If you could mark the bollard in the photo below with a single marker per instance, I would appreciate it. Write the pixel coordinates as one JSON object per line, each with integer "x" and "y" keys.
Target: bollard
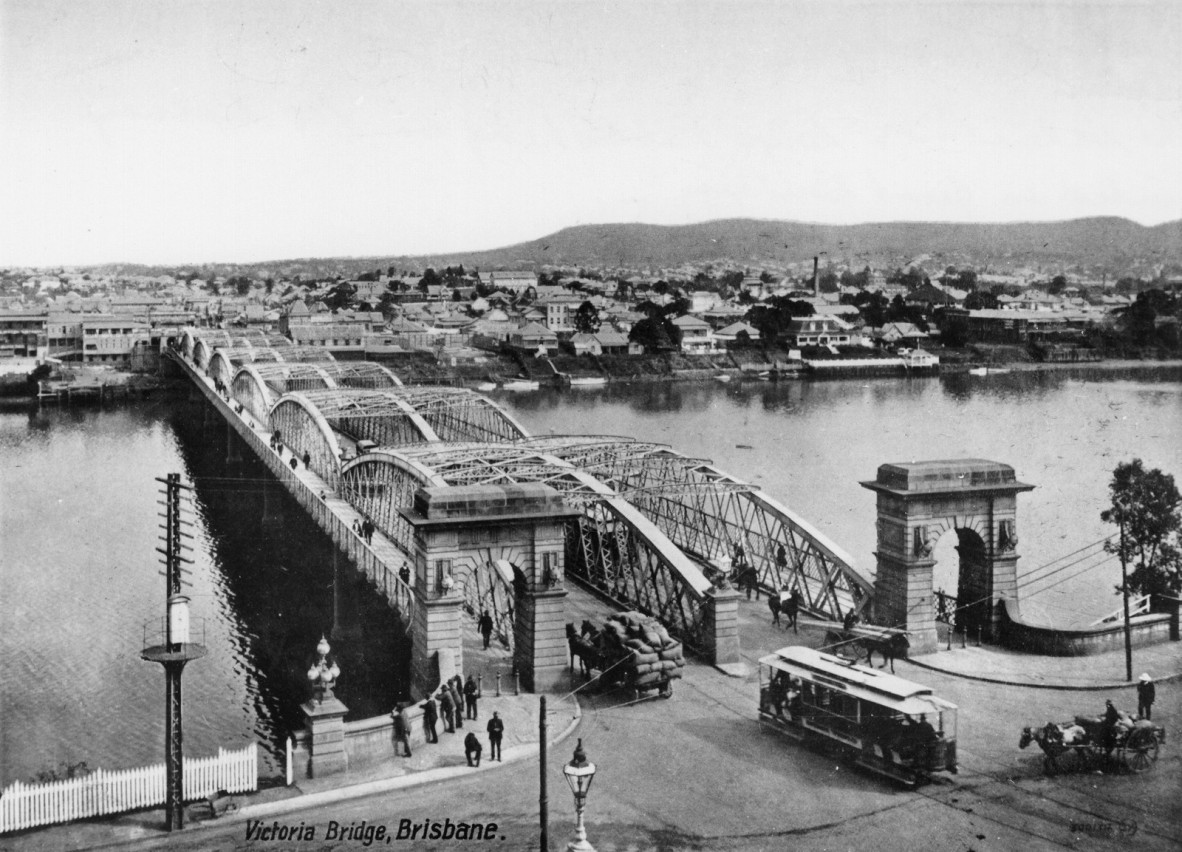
{"x": 516, "y": 683}
{"x": 480, "y": 684}
{"x": 964, "y": 638}
{"x": 949, "y": 648}
{"x": 978, "y": 635}
{"x": 498, "y": 684}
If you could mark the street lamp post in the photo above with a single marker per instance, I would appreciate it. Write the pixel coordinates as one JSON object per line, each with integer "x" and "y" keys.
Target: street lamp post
{"x": 579, "y": 774}
{"x": 323, "y": 674}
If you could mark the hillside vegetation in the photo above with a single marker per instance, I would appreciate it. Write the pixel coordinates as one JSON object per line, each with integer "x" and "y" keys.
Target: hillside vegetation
{"x": 1106, "y": 244}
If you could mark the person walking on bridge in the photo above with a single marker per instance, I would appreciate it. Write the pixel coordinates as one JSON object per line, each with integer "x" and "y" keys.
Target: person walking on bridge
{"x": 486, "y": 627}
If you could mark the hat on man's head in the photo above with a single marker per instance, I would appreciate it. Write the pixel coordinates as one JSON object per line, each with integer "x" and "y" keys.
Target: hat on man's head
{"x": 1145, "y": 678}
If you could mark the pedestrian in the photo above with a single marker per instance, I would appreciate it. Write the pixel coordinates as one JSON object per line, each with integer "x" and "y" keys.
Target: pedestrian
{"x": 486, "y": 626}
{"x": 294, "y": 463}
{"x": 369, "y": 528}
{"x": 404, "y": 573}
{"x": 356, "y": 527}
{"x": 773, "y": 603}
{"x": 793, "y": 608}
{"x": 1111, "y": 720}
{"x": 457, "y": 703}
{"x": 471, "y": 693}
{"x": 446, "y": 708}
{"x": 472, "y": 748}
{"x": 496, "y": 730}
{"x": 781, "y": 558}
{"x": 401, "y": 728}
{"x": 307, "y": 459}
{"x": 1146, "y": 693}
{"x": 430, "y": 717}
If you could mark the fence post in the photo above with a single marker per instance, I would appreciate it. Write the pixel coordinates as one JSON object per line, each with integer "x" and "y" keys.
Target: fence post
{"x": 290, "y": 745}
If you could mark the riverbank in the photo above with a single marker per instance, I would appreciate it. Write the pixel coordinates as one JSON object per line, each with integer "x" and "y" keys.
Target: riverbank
{"x": 85, "y": 382}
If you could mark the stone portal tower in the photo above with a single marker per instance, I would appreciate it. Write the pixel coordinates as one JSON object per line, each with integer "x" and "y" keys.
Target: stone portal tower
{"x": 459, "y": 530}
{"x": 917, "y": 503}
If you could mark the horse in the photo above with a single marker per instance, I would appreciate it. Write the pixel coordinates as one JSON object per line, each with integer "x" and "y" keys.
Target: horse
{"x": 891, "y": 647}
{"x": 582, "y": 647}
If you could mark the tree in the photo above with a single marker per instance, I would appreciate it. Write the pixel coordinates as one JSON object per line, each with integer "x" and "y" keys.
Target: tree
{"x": 1145, "y": 505}
{"x": 1058, "y": 285}
{"x": 587, "y": 319}
{"x": 655, "y": 334}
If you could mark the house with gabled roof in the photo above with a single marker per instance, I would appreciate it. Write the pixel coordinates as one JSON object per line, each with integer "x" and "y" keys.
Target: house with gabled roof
{"x": 731, "y": 333}
{"x": 533, "y": 337}
{"x": 696, "y": 334}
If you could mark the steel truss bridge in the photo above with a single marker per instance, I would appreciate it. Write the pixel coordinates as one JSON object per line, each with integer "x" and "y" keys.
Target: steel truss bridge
{"x": 656, "y": 525}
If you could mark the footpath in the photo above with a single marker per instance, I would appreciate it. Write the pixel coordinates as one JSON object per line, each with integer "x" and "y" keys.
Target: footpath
{"x": 1106, "y": 671}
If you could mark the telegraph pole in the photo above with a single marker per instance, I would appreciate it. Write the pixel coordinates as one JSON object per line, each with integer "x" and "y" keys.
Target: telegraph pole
{"x": 171, "y": 646}
{"x": 1124, "y": 590}
{"x": 542, "y": 802}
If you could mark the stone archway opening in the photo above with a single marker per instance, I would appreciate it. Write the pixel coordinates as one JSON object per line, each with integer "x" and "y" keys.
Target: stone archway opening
{"x": 962, "y": 576}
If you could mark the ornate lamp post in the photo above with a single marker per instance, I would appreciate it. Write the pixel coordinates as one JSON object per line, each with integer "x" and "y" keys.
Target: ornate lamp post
{"x": 579, "y": 775}
{"x": 326, "y": 716}
{"x": 323, "y": 674}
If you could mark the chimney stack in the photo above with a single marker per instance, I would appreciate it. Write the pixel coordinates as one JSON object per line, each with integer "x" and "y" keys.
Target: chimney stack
{"x": 816, "y": 277}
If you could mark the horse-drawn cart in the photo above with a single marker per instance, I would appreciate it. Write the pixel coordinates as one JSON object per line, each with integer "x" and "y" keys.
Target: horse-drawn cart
{"x": 632, "y": 650}
{"x": 858, "y": 641}
{"x": 1085, "y": 744}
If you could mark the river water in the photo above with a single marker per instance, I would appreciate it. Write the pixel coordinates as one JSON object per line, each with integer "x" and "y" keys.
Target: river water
{"x": 78, "y": 532}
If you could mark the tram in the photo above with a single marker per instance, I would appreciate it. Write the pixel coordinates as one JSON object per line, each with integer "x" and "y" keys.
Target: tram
{"x": 884, "y": 723}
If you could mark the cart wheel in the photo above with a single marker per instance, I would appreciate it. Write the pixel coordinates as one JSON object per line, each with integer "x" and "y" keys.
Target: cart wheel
{"x": 1140, "y": 753}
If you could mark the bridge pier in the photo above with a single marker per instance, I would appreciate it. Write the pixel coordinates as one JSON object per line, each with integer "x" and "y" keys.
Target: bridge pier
{"x": 721, "y": 633}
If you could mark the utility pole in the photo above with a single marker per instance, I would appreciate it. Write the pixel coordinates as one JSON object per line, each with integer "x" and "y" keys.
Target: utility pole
{"x": 171, "y": 646}
{"x": 1124, "y": 589}
{"x": 542, "y": 803}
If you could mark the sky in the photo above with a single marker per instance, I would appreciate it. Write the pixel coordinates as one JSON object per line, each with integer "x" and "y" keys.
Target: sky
{"x": 186, "y": 132}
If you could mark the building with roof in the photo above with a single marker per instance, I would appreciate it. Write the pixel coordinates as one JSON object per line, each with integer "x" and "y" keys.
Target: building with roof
{"x": 513, "y": 281}
{"x": 533, "y": 337}
{"x": 1008, "y": 325}
{"x": 110, "y": 339}
{"x": 730, "y": 334}
{"x": 697, "y": 336}
{"x": 818, "y": 331}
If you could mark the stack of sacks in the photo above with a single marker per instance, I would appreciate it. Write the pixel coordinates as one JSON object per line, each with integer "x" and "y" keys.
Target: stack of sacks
{"x": 652, "y": 654}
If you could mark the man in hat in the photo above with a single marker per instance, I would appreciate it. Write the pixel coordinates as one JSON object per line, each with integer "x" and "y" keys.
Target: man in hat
{"x": 496, "y": 730}
{"x": 1145, "y": 695}
{"x": 401, "y": 729}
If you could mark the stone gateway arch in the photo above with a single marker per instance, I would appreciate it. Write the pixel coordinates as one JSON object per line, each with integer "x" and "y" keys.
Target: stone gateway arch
{"x": 918, "y": 502}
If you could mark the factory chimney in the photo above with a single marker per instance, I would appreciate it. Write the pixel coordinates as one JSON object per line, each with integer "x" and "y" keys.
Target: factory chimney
{"x": 816, "y": 277}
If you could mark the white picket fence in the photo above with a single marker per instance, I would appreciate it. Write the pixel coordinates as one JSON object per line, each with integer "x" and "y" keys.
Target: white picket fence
{"x": 111, "y": 792}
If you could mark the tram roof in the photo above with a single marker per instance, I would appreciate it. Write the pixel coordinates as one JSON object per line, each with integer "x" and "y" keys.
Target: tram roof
{"x": 899, "y": 694}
